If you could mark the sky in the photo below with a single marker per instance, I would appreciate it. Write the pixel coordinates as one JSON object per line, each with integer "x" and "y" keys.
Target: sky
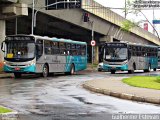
{"x": 131, "y": 16}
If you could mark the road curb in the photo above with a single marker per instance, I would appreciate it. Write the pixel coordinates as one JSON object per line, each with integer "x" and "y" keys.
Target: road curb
{"x": 6, "y": 75}
{"x": 9, "y": 116}
{"x": 121, "y": 95}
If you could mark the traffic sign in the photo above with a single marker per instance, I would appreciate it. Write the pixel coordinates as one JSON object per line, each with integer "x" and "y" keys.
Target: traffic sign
{"x": 156, "y": 21}
{"x": 93, "y": 42}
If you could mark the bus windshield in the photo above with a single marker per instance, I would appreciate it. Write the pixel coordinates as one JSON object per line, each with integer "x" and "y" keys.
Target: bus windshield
{"x": 20, "y": 49}
{"x": 113, "y": 53}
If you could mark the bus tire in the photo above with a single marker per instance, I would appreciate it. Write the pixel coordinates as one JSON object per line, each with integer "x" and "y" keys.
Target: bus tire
{"x": 17, "y": 75}
{"x": 134, "y": 66}
{"x": 155, "y": 69}
{"x": 145, "y": 70}
{"x": 45, "y": 71}
{"x": 130, "y": 71}
{"x": 149, "y": 68}
{"x": 99, "y": 70}
{"x": 113, "y": 71}
{"x": 72, "y": 71}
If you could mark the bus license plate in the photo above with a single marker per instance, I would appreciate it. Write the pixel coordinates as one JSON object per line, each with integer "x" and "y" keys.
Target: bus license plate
{"x": 17, "y": 68}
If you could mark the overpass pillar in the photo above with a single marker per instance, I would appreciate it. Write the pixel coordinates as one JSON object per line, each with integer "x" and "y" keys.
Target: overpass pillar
{"x": 96, "y": 48}
{"x": 2, "y": 38}
{"x": 96, "y": 54}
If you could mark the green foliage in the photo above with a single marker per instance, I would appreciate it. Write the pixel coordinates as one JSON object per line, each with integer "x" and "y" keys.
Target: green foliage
{"x": 143, "y": 82}
{"x": 130, "y": 9}
{"x": 4, "y": 110}
{"x": 127, "y": 25}
{"x": 18, "y": 1}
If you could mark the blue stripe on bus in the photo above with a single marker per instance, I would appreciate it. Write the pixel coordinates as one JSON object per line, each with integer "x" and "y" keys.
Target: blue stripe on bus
{"x": 153, "y": 61}
{"x": 79, "y": 62}
{"x": 31, "y": 69}
{"x": 121, "y": 67}
{"x": 68, "y": 63}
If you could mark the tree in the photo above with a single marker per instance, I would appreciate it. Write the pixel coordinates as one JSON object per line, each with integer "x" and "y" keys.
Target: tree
{"x": 127, "y": 25}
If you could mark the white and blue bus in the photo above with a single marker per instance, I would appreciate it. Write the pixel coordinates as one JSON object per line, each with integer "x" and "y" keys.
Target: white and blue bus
{"x": 44, "y": 55}
{"x": 129, "y": 57}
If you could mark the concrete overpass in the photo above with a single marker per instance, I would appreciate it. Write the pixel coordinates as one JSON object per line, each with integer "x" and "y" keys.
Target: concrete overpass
{"x": 68, "y": 23}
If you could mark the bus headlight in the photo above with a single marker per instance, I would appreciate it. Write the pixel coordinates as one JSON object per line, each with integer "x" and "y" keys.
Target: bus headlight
{"x": 32, "y": 63}
{"x": 4, "y": 62}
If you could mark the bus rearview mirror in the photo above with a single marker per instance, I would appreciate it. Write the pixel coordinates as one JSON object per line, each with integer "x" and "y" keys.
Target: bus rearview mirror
{"x": 3, "y": 46}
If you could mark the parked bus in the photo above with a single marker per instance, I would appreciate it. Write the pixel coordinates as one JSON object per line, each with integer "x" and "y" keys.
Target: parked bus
{"x": 36, "y": 54}
{"x": 129, "y": 57}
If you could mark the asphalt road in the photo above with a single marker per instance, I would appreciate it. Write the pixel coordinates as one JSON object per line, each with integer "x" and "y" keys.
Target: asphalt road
{"x": 62, "y": 97}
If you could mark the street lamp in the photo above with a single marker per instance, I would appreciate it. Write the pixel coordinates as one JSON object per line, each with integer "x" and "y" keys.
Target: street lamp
{"x": 92, "y": 24}
{"x": 33, "y": 5}
{"x": 35, "y": 14}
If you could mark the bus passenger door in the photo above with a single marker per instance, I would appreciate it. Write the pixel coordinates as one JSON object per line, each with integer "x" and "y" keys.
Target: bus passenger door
{"x": 39, "y": 55}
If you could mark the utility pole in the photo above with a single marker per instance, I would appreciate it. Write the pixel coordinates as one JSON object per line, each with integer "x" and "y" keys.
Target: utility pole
{"x": 153, "y": 23}
{"x": 34, "y": 14}
{"x": 92, "y": 24}
{"x": 16, "y": 25}
{"x": 125, "y": 11}
{"x": 33, "y": 7}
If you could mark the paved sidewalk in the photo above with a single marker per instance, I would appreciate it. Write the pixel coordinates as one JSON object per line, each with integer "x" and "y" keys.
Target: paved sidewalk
{"x": 115, "y": 87}
{"x": 6, "y": 75}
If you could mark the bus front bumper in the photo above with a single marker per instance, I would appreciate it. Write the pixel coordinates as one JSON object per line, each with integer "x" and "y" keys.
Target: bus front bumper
{"x": 28, "y": 69}
{"x": 108, "y": 67}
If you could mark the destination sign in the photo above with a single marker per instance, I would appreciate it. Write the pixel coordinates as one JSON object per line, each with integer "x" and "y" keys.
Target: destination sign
{"x": 116, "y": 44}
{"x": 19, "y": 38}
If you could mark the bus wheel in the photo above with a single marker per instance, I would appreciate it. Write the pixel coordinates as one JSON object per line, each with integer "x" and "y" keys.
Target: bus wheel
{"x": 72, "y": 70}
{"x": 154, "y": 69}
{"x": 134, "y": 66}
{"x": 130, "y": 71}
{"x": 113, "y": 71}
{"x": 149, "y": 68}
{"x": 17, "y": 75}
{"x": 45, "y": 71}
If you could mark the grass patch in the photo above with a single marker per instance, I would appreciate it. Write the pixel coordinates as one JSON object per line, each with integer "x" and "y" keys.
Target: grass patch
{"x": 4, "y": 110}
{"x": 150, "y": 82}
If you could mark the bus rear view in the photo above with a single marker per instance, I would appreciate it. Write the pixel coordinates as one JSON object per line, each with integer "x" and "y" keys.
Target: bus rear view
{"x": 115, "y": 57}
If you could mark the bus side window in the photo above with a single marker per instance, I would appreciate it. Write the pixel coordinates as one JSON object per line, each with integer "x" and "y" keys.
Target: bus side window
{"x": 68, "y": 47}
{"x": 73, "y": 49}
{"x": 55, "y": 48}
{"x": 62, "y": 47}
{"x": 83, "y": 50}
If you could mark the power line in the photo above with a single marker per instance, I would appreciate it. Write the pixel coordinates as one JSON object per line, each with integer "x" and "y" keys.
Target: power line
{"x": 97, "y": 7}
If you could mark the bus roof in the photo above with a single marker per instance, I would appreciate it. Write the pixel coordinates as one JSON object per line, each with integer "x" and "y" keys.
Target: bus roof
{"x": 52, "y": 39}
{"x": 135, "y": 44}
